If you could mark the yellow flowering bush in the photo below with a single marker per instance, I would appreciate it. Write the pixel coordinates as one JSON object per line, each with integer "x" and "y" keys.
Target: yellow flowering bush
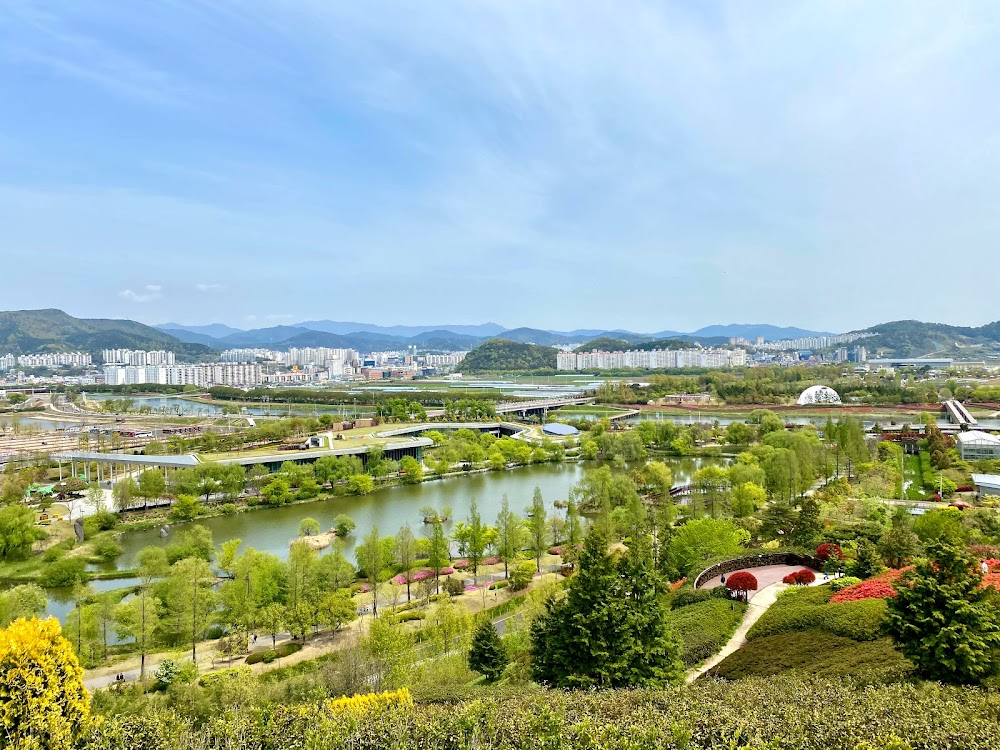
{"x": 369, "y": 701}
{"x": 43, "y": 703}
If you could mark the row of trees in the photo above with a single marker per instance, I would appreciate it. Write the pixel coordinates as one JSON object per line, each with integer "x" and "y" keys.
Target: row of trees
{"x": 177, "y": 601}
{"x": 782, "y": 385}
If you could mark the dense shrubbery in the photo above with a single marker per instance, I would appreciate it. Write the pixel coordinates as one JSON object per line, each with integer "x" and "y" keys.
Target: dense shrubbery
{"x": 782, "y": 712}
{"x": 816, "y": 652}
{"x": 842, "y": 583}
{"x": 808, "y": 608}
{"x": 705, "y": 626}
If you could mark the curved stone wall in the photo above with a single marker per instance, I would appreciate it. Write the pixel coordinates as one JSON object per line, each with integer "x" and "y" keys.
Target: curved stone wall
{"x": 757, "y": 561}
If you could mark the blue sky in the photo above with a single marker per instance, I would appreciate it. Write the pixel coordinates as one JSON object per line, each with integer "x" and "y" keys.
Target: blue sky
{"x": 564, "y": 164}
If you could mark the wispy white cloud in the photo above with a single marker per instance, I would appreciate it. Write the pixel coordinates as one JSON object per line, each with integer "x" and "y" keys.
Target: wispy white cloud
{"x": 209, "y": 287}
{"x": 716, "y": 150}
{"x": 148, "y": 293}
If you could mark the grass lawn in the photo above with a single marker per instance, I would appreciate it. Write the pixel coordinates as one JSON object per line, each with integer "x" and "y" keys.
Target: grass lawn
{"x": 912, "y": 474}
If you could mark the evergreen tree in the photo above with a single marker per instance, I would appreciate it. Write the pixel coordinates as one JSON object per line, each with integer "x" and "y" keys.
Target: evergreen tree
{"x": 610, "y": 629}
{"x": 868, "y": 561}
{"x": 808, "y": 524}
{"x": 898, "y": 545}
{"x": 487, "y": 654}
{"x": 943, "y": 620}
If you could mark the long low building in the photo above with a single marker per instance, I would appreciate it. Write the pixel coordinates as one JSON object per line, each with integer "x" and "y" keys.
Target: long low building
{"x": 986, "y": 484}
{"x": 110, "y": 466}
{"x": 392, "y": 451}
{"x": 934, "y": 364}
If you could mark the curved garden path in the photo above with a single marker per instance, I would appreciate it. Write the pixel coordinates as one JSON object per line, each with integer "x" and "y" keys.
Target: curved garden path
{"x": 757, "y": 606}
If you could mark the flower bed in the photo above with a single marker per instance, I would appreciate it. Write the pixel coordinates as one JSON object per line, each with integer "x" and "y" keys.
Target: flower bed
{"x": 879, "y": 587}
{"x": 492, "y": 560}
{"x": 447, "y": 571}
{"x": 460, "y": 564}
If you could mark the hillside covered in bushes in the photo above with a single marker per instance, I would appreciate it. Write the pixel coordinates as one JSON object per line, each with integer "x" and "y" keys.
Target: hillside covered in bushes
{"x": 783, "y": 713}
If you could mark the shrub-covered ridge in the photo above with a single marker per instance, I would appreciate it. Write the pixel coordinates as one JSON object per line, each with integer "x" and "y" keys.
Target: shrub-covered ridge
{"x": 778, "y": 714}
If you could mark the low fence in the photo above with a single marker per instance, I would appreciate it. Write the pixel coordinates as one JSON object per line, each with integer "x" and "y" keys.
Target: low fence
{"x": 757, "y": 561}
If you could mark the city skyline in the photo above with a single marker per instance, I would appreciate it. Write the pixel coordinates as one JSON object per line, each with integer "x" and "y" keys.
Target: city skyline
{"x": 261, "y": 164}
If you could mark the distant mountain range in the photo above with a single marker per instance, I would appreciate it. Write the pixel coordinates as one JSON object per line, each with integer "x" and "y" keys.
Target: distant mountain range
{"x": 371, "y": 337}
{"x": 29, "y": 331}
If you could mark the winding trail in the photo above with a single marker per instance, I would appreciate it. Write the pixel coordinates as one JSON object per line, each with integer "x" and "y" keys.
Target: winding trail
{"x": 760, "y": 603}
{"x": 757, "y": 606}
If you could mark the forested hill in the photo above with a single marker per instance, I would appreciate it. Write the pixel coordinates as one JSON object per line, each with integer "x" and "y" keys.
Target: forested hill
{"x": 500, "y": 355}
{"x": 912, "y": 338}
{"x": 32, "y": 331}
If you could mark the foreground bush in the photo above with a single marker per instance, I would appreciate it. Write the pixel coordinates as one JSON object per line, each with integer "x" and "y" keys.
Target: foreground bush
{"x": 43, "y": 703}
{"x": 784, "y": 713}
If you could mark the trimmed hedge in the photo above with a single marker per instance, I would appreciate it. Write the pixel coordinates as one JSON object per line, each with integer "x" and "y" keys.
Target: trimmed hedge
{"x": 815, "y": 652}
{"x": 808, "y": 608}
{"x": 704, "y": 627}
{"x": 285, "y": 649}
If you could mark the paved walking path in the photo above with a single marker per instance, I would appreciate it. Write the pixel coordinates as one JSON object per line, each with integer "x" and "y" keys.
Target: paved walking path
{"x": 760, "y": 603}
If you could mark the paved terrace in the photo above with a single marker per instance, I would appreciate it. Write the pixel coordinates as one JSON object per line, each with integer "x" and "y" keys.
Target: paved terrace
{"x": 765, "y": 575}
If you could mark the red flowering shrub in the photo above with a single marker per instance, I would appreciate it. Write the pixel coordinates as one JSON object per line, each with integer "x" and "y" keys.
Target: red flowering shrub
{"x": 879, "y": 587}
{"x": 799, "y": 577}
{"x": 827, "y": 550}
{"x": 677, "y": 584}
{"x": 741, "y": 583}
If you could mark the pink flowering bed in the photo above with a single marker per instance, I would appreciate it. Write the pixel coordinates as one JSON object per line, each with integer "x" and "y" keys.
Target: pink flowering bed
{"x": 417, "y": 575}
{"x": 447, "y": 571}
{"x": 460, "y": 564}
{"x": 491, "y": 560}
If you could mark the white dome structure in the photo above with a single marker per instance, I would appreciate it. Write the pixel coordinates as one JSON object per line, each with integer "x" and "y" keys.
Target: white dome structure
{"x": 818, "y": 394}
